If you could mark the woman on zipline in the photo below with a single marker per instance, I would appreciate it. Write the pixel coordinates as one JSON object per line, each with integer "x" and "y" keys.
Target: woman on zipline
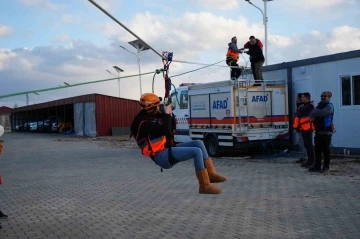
{"x": 154, "y": 134}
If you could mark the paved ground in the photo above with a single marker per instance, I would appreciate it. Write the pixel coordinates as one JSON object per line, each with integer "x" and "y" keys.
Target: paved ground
{"x": 84, "y": 188}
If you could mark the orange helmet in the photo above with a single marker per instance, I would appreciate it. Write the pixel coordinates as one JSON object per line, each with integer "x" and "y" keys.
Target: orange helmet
{"x": 149, "y": 100}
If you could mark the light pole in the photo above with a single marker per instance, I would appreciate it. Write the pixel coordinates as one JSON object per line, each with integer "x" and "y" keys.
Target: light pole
{"x": 35, "y": 97}
{"x": 67, "y": 90}
{"x": 265, "y": 20}
{"x": 140, "y": 46}
{"x": 118, "y": 69}
{"x": 118, "y": 80}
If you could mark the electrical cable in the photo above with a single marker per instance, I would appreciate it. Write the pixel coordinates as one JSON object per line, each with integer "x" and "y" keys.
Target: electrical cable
{"x": 157, "y": 71}
{"x": 196, "y": 69}
{"x": 68, "y": 86}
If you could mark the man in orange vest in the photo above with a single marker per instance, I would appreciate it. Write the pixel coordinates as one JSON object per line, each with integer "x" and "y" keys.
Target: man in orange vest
{"x": 303, "y": 153}
{"x": 232, "y": 56}
{"x": 154, "y": 130}
{"x": 306, "y": 128}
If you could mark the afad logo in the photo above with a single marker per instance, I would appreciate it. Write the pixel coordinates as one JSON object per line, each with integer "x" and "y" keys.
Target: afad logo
{"x": 220, "y": 104}
{"x": 260, "y": 98}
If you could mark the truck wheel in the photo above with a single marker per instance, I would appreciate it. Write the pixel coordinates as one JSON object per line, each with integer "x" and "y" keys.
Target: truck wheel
{"x": 212, "y": 145}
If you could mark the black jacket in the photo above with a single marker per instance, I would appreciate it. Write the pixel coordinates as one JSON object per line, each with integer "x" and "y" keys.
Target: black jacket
{"x": 306, "y": 110}
{"x": 155, "y": 125}
{"x": 255, "y": 51}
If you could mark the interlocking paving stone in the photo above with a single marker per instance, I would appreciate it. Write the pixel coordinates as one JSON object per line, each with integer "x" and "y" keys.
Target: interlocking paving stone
{"x": 76, "y": 188}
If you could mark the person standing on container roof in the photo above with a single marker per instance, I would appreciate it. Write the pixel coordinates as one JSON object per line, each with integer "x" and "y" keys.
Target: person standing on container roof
{"x": 154, "y": 133}
{"x": 322, "y": 117}
{"x": 306, "y": 128}
{"x": 232, "y": 56}
{"x": 303, "y": 153}
{"x": 257, "y": 58}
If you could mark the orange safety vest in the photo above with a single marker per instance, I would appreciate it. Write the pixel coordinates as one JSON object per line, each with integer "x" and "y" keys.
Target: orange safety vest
{"x": 296, "y": 118}
{"x": 296, "y": 122}
{"x": 232, "y": 54}
{"x": 150, "y": 145}
{"x": 304, "y": 123}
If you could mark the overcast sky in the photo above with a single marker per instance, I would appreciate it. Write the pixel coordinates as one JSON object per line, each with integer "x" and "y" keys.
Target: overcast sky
{"x": 44, "y": 43}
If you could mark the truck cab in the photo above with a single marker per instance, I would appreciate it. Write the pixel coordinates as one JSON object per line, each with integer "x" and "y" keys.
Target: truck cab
{"x": 180, "y": 107}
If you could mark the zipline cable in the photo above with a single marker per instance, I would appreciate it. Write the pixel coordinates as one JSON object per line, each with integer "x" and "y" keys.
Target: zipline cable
{"x": 127, "y": 29}
{"x": 196, "y": 69}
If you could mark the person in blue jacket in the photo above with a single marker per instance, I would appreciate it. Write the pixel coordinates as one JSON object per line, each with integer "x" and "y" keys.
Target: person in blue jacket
{"x": 322, "y": 117}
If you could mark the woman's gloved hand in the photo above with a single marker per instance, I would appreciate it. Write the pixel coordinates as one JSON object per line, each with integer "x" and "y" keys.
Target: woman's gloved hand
{"x": 168, "y": 109}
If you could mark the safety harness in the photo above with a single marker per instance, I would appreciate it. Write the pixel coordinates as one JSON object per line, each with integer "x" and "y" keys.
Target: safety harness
{"x": 166, "y": 60}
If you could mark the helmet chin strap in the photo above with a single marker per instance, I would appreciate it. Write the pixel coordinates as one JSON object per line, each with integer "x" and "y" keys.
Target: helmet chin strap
{"x": 152, "y": 110}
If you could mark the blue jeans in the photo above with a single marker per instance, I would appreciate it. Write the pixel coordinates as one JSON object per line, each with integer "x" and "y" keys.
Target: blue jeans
{"x": 182, "y": 152}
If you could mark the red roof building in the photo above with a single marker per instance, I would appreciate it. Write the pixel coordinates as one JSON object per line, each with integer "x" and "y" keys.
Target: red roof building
{"x": 5, "y": 110}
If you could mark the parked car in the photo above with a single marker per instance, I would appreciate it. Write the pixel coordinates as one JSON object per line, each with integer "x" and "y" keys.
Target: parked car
{"x": 26, "y": 126}
{"x": 44, "y": 127}
{"x": 34, "y": 126}
{"x": 56, "y": 125}
{"x": 19, "y": 127}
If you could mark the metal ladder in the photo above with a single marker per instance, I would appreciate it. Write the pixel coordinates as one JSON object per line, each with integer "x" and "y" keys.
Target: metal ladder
{"x": 243, "y": 109}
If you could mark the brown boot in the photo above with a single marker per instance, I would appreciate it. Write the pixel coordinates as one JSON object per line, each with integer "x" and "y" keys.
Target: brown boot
{"x": 205, "y": 186}
{"x": 214, "y": 177}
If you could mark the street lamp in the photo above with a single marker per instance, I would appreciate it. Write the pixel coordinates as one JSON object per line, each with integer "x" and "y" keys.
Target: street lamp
{"x": 118, "y": 69}
{"x": 35, "y": 97}
{"x": 140, "y": 46}
{"x": 67, "y": 90}
{"x": 265, "y": 20}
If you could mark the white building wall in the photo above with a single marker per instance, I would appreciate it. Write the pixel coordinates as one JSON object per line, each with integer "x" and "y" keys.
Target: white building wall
{"x": 326, "y": 77}
{"x": 275, "y": 75}
{"x": 5, "y": 121}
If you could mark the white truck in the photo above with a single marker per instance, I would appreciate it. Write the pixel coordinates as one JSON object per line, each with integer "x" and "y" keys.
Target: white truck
{"x": 231, "y": 114}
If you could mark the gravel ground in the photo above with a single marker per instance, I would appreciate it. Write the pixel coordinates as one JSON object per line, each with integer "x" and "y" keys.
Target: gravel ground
{"x": 71, "y": 187}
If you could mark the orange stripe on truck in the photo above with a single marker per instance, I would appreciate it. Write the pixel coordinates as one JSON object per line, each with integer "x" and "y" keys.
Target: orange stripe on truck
{"x": 230, "y": 120}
